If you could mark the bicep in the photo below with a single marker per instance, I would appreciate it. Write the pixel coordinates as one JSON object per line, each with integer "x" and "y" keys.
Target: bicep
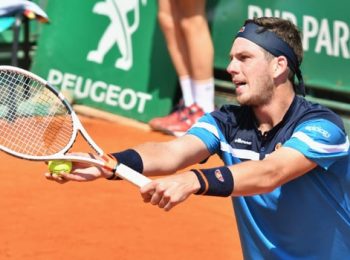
{"x": 289, "y": 164}
{"x": 256, "y": 177}
{"x": 314, "y": 142}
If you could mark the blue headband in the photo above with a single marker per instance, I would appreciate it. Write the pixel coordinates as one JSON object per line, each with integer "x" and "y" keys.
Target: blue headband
{"x": 275, "y": 45}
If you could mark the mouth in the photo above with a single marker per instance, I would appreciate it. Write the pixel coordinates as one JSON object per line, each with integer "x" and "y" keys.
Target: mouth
{"x": 240, "y": 85}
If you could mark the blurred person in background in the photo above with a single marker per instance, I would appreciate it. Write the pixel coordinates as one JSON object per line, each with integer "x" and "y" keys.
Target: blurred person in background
{"x": 190, "y": 46}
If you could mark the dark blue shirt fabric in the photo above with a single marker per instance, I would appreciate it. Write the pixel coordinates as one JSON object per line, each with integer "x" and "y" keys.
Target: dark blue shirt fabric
{"x": 306, "y": 218}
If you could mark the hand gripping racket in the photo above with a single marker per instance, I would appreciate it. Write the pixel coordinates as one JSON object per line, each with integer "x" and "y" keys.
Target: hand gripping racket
{"x": 37, "y": 123}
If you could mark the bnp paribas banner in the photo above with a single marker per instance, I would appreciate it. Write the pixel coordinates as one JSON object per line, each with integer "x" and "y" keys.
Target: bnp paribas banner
{"x": 325, "y": 26}
{"x": 110, "y": 54}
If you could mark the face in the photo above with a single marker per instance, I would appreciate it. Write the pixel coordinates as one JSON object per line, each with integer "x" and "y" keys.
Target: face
{"x": 252, "y": 73}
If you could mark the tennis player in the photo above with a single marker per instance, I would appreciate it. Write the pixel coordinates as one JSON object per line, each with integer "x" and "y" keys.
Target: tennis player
{"x": 286, "y": 160}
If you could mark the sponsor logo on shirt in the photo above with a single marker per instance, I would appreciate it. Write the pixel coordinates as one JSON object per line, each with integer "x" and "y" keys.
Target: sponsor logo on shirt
{"x": 278, "y": 146}
{"x": 318, "y": 129}
{"x": 241, "y": 141}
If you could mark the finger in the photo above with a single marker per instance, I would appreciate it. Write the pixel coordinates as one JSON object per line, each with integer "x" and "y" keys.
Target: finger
{"x": 148, "y": 196}
{"x": 169, "y": 205}
{"x": 63, "y": 177}
{"x": 174, "y": 198}
{"x": 48, "y": 176}
{"x": 164, "y": 201}
{"x": 147, "y": 191}
{"x": 55, "y": 177}
{"x": 157, "y": 195}
{"x": 80, "y": 177}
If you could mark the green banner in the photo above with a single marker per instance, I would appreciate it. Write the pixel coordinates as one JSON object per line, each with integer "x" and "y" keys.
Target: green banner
{"x": 325, "y": 29}
{"x": 110, "y": 54}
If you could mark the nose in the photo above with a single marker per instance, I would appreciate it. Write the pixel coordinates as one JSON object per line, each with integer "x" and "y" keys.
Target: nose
{"x": 232, "y": 67}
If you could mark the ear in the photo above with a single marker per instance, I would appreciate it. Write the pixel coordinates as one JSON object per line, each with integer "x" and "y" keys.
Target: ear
{"x": 280, "y": 66}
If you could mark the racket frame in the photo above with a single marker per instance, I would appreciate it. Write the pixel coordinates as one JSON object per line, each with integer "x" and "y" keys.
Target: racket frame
{"x": 122, "y": 170}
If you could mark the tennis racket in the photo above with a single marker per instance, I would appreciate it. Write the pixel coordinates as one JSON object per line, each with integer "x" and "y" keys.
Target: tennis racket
{"x": 38, "y": 123}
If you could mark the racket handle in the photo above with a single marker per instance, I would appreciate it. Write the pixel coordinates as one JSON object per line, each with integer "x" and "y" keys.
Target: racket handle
{"x": 131, "y": 175}
{"x": 108, "y": 162}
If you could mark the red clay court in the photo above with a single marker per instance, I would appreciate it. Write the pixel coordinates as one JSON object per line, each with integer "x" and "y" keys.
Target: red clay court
{"x": 106, "y": 219}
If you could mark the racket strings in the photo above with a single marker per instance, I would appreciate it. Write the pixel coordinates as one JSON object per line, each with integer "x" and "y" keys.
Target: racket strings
{"x": 33, "y": 120}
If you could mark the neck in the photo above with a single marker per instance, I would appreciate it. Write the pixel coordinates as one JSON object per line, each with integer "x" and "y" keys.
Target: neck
{"x": 269, "y": 115}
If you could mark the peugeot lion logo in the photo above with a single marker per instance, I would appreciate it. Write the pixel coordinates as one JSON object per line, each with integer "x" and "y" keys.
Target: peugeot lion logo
{"x": 118, "y": 32}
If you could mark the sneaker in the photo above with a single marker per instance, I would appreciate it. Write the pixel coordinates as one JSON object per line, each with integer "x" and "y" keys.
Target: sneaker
{"x": 161, "y": 123}
{"x": 188, "y": 117}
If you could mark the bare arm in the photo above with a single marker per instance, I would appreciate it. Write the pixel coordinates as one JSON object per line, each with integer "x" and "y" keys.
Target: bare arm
{"x": 157, "y": 158}
{"x": 250, "y": 178}
{"x": 168, "y": 157}
{"x": 256, "y": 177}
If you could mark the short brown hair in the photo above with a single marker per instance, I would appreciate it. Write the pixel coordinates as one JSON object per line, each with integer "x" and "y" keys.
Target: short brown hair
{"x": 286, "y": 30}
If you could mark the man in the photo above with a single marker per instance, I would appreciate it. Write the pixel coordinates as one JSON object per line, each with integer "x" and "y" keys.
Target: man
{"x": 286, "y": 160}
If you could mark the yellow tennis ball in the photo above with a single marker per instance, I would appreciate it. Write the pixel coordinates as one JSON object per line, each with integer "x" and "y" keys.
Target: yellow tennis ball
{"x": 58, "y": 166}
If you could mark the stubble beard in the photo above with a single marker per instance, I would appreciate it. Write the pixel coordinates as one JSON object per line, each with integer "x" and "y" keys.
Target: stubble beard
{"x": 261, "y": 96}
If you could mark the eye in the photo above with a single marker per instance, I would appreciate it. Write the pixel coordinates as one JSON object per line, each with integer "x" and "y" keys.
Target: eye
{"x": 243, "y": 57}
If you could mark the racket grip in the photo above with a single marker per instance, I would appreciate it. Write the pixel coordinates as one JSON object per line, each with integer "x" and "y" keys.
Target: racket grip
{"x": 131, "y": 175}
{"x": 124, "y": 171}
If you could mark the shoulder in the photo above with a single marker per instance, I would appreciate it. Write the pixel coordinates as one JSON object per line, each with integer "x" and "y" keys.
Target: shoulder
{"x": 319, "y": 124}
{"x": 309, "y": 111}
{"x": 319, "y": 134}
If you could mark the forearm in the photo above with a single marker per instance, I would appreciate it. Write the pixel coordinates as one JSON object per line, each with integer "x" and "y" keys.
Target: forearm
{"x": 254, "y": 177}
{"x": 257, "y": 177}
{"x": 157, "y": 159}
{"x": 168, "y": 157}
{"x": 245, "y": 179}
